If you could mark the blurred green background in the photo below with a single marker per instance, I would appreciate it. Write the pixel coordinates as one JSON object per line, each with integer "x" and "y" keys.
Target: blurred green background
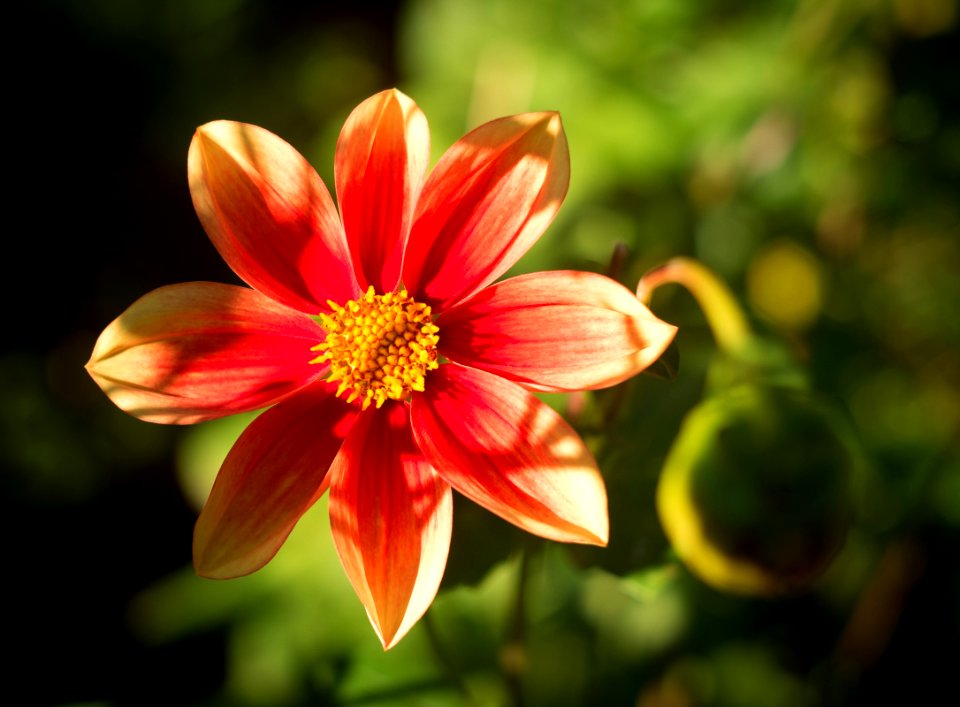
{"x": 806, "y": 151}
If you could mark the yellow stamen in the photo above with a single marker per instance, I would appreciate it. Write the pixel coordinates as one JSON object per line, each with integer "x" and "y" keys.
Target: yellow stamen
{"x": 378, "y": 346}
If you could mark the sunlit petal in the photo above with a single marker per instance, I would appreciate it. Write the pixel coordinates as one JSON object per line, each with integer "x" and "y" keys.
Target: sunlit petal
{"x": 502, "y": 447}
{"x": 490, "y": 197}
{"x": 381, "y": 162}
{"x": 391, "y": 516}
{"x": 272, "y": 475}
{"x": 555, "y": 331}
{"x": 269, "y": 215}
{"x": 196, "y": 351}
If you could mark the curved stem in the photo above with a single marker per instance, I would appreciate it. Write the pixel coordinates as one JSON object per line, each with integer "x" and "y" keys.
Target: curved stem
{"x": 723, "y": 313}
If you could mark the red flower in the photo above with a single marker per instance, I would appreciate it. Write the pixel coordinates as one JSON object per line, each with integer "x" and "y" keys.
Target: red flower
{"x": 400, "y": 391}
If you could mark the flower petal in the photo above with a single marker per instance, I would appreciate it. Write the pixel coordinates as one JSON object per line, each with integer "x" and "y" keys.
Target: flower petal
{"x": 557, "y": 331}
{"x": 392, "y": 517}
{"x": 197, "y": 351}
{"x": 269, "y": 215}
{"x": 502, "y": 447}
{"x": 381, "y": 162}
{"x": 489, "y": 198}
{"x": 273, "y": 474}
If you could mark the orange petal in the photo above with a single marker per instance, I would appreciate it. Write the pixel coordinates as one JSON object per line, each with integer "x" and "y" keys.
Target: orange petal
{"x": 500, "y": 446}
{"x": 269, "y": 215}
{"x": 556, "y": 331}
{"x": 197, "y": 351}
{"x": 381, "y": 162}
{"x": 272, "y": 475}
{"x": 391, "y": 516}
{"x": 490, "y": 197}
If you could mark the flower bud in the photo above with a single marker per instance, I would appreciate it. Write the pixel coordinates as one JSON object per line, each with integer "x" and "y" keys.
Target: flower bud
{"x": 755, "y": 493}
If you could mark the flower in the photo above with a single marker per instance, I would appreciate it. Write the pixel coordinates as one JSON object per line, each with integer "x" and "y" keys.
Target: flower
{"x": 416, "y": 379}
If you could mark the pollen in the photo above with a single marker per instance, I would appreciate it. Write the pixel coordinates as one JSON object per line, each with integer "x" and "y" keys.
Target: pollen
{"x": 379, "y": 347}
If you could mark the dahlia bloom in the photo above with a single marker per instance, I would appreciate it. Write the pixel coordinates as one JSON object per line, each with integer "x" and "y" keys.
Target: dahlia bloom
{"x": 395, "y": 369}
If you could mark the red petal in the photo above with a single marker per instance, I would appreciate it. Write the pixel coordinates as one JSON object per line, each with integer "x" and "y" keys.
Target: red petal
{"x": 272, "y": 475}
{"x": 270, "y": 216}
{"x": 489, "y": 198}
{"x": 382, "y": 158}
{"x": 555, "y": 331}
{"x": 196, "y": 351}
{"x": 500, "y": 446}
{"x": 391, "y": 516}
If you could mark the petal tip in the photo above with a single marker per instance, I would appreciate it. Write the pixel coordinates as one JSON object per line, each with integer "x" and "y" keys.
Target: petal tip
{"x": 209, "y": 571}
{"x": 598, "y": 535}
{"x": 204, "y": 133}
{"x": 211, "y": 127}
{"x": 549, "y": 121}
{"x": 554, "y": 122}
{"x": 396, "y": 94}
{"x": 391, "y": 642}
{"x": 389, "y": 639}
{"x": 213, "y": 565}
{"x": 203, "y": 564}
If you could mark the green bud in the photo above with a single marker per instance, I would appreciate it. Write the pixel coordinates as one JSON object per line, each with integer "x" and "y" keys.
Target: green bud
{"x": 755, "y": 493}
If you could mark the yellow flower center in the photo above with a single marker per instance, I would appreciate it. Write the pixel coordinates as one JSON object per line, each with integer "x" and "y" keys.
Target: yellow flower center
{"x": 378, "y": 346}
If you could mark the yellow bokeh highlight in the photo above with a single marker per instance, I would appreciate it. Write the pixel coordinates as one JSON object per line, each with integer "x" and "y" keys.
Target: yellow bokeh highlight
{"x": 784, "y": 284}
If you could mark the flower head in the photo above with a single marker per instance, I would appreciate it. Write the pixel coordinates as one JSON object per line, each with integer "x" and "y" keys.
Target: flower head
{"x": 416, "y": 379}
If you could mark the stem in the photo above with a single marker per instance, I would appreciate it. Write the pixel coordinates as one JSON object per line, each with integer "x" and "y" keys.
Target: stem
{"x": 446, "y": 660}
{"x": 719, "y": 306}
{"x": 618, "y": 261}
{"x": 513, "y": 658}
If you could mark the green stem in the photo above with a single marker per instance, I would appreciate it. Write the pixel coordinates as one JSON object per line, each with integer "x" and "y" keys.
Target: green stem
{"x": 723, "y": 313}
{"x": 513, "y": 657}
{"x": 446, "y": 660}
